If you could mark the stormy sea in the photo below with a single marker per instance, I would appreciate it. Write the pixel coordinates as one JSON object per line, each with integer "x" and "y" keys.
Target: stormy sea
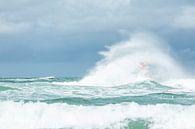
{"x": 138, "y": 84}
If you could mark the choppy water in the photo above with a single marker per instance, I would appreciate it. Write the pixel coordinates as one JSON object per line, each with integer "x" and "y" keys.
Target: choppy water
{"x": 45, "y": 103}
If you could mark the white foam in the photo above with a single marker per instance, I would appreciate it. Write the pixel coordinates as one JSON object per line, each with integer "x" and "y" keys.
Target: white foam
{"x": 141, "y": 57}
{"x": 185, "y": 84}
{"x": 40, "y": 115}
{"x": 46, "y": 78}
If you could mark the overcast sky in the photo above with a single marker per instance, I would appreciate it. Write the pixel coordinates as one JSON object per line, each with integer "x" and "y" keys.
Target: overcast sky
{"x": 63, "y": 37}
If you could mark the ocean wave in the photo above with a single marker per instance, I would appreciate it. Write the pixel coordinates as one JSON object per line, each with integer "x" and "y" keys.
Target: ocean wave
{"x": 187, "y": 83}
{"x": 127, "y": 115}
{"x": 38, "y": 79}
{"x": 3, "y": 88}
{"x": 141, "y": 92}
{"x": 143, "y": 56}
{"x": 152, "y": 99}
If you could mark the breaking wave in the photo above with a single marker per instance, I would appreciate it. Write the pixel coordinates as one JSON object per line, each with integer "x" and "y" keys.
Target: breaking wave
{"x": 142, "y": 57}
{"x": 61, "y": 116}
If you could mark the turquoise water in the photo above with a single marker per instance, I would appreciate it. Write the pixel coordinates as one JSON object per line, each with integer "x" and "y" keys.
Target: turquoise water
{"x": 50, "y": 103}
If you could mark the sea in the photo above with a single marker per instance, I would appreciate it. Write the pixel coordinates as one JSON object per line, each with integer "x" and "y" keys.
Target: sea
{"x": 45, "y": 103}
{"x": 138, "y": 84}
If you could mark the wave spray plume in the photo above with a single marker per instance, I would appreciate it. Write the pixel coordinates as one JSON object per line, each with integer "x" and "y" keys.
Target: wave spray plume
{"x": 143, "y": 56}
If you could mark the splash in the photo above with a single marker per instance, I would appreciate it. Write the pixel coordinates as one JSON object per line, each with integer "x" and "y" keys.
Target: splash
{"x": 143, "y": 56}
{"x": 57, "y": 116}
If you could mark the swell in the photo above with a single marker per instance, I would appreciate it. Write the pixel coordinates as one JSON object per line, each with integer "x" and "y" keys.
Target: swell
{"x": 38, "y": 79}
{"x": 151, "y": 99}
{"x": 147, "y": 92}
{"x": 3, "y": 88}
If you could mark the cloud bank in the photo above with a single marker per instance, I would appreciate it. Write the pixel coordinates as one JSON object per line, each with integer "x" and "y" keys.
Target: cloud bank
{"x": 35, "y": 34}
{"x": 186, "y": 19}
{"x": 97, "y": 15}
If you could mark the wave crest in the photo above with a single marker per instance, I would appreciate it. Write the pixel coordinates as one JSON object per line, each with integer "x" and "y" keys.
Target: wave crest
{"x": 141, "y": 57}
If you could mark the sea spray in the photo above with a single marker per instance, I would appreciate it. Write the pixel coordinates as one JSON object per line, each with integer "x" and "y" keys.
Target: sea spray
{"x": 143, "y": 56}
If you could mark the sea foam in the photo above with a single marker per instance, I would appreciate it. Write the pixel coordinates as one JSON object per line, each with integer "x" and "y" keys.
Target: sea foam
{"x": 54, "y": 116}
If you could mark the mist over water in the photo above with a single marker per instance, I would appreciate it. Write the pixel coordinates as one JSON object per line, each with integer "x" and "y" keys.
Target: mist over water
{"x": 143, "y": 56}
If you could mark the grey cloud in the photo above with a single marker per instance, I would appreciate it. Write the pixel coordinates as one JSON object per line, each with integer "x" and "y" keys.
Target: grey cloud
{"x": 73, "y": 31}
{"x": 63, "y": 15}
{"x": 186, "y": 18}
{"x": 86, "y": 15}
